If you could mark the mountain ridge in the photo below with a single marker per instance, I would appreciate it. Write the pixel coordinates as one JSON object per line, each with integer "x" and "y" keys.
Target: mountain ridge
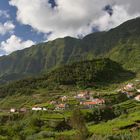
{"x": 45, "y": 56}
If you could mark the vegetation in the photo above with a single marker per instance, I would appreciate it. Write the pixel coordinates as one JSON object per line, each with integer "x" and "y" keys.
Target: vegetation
{"x": 54, "y": 75}
{"x": 78, "y": 123}
{"x": 82, "y": 74}
{"x": 120, "y": 44}
{"x": 88, "y": 73}
{"x": 113, "y": 120}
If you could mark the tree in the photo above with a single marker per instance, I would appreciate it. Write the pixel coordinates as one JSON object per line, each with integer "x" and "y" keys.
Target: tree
{"x": 78, "y": 123}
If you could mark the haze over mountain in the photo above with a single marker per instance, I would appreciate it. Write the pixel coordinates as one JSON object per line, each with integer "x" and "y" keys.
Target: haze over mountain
{"x": 121, "y": 44}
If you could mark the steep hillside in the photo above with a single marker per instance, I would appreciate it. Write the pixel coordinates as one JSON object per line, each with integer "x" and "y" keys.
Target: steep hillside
{"x": 82, "y": 74}
{"x": 120, "y": 44}
{"x": 127, "y": 54}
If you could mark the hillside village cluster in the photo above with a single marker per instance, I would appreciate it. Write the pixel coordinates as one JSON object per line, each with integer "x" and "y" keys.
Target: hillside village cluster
{"x": 85, "y": 100}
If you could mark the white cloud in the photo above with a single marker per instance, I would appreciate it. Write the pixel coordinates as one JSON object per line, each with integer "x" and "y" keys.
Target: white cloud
{"x": 106, "y": 22}
{"x": 6, "y": 27}
{"x": 131, "y": 6}
{"x": 14, "y": 43}
{"x": 73, "y": 17}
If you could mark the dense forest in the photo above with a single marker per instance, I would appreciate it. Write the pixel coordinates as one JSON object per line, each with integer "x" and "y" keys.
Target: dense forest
{"x": 88, "y": 72}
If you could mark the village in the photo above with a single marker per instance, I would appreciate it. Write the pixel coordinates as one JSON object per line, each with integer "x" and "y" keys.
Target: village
{"x": 130, "y": 91}
{"x": 84, "y": 100}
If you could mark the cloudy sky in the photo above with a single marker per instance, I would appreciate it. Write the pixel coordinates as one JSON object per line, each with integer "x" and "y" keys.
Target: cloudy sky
{"x": 27, "y": 22}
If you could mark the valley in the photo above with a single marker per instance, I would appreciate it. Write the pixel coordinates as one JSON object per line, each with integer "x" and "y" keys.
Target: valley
{"x": 74, "y": 89}
{"x": 43, "y": 107}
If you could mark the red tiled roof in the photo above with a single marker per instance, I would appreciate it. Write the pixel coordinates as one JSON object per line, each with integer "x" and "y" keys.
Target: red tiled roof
{"x": 90, "y": 103}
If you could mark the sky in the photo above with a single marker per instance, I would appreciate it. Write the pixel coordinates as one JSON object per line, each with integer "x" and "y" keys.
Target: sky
{"x": 24, "y": 23}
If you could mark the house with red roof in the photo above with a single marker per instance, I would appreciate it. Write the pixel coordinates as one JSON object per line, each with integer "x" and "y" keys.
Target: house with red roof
{"x": 93, "y": 103}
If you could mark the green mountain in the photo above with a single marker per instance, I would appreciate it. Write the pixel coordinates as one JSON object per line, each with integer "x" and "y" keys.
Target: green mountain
{"x": 121, "y": 44}
{"x": 87, "y": 73}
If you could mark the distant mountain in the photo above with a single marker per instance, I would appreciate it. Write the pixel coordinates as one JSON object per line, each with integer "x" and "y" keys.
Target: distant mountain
{"x": 121, "y": 44}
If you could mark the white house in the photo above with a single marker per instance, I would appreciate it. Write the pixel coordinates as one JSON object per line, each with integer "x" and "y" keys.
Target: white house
{"x": 12, "y": 110}
{"x": 137, "y": 98}
{"x": 44, "y": 109}
{"x": 80, "y": 95}
{"x": 36, "y": 108}
{"x": 138, "y": 90}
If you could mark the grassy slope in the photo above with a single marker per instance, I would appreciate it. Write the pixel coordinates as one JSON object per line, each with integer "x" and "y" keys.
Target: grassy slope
{"x": 128, "y": 54}
{"x": 110, "y": 127}
{"x": 114, "y": 126}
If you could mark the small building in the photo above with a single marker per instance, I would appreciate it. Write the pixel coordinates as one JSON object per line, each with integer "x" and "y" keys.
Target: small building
{"x": 53, "y": 102}
{"x": 89, "y": 104}
{"x": 137, "y": 98}
{"x": 99, "y": 101}
{"x": 36, "y": 108}
{"x": 83, "y": 95}
{"x": 129, "y": 87}
{"x": 12, "y": 110}
{"x": 138, "y": 90}
{"x": 61, "y": 107}
{"x": 44, "y": 109}
{"x": 93, "y": 103}
{"x": 64, "y": 98}
{"x": 80, "y": 96}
